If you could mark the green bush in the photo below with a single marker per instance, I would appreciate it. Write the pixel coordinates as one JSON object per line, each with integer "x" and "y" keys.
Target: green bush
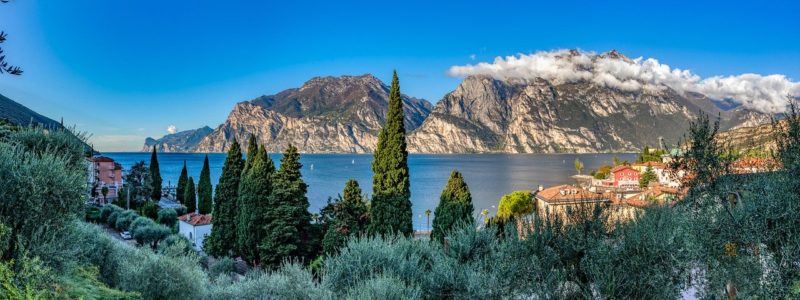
{"x": 168, "y": 217}
{"x": 151, "y": 234}
{"x": 150, "y": 210}
{"x": 107, "y": 210}
{"x": 290, "y": 281}
{"x": 125, "y": 219}
{"x": 176, "y": 242}
{"x": 223, "y": 266}
{"x": 384, "y": 288}
{"x": 139, "y": 223}
{"x": 516, "y": 204}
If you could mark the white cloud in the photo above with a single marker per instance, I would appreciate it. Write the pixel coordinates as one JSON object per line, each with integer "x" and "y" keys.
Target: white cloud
{"x": 473, "y": 56}
{"x": 759, "y": 92}
{"x": 172, "y": 129}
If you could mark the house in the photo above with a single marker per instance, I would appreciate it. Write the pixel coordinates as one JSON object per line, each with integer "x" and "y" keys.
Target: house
{"x": 625, "y": 177}
{"x": 664, "y": 174}
{"x": 653, "y": 194}
{"x": 746, "y": 165}
{"x": 558, "y": 198}
{"x": 104, "y": 172}
{"x": 195, "y": 227}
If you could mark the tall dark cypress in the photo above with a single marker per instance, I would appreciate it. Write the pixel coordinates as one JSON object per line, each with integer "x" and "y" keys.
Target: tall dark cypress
{"x": 287, "y": 230}
{"x": 155, "y": 177}
{"x": 190, "y": 197}
{"x": 454, "y": 209}
{"x": 252, "y": 149}
{"x": 222, "y": 241}
{"x": 391, "y": 200}
{"x": 204, "y": 200}
{"x": 181, "y": 188}
{"x": 254, "y": 193}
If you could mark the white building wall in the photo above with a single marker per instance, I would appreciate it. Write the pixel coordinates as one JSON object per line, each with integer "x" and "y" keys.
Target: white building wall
{"x": 195, "y": 234}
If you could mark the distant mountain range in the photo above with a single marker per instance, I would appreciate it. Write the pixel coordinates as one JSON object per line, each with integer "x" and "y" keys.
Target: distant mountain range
{"x": 184, "y": 141}
{"x": 483, "y": 114}
{"x": 18, "y": 114}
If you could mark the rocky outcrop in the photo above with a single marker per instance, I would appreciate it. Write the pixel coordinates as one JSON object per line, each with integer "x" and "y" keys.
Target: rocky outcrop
{"x": 744, "y": 138}
{"x": 326, "y": 114}
{"x": 184, "y": 141}
{"x": 485, "y": 114}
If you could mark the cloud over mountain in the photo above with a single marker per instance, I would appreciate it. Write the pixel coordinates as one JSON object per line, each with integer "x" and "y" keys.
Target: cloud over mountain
{"x": 763, "y": 93}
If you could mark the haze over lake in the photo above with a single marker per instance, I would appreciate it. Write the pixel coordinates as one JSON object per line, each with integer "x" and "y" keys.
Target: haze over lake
{"x": 489, "y": 176}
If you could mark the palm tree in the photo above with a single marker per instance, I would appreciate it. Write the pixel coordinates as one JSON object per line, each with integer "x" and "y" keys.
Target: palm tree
{"x": 428, "y": 215}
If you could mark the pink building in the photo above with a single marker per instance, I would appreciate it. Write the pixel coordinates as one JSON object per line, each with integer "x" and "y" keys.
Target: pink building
{"x": 104, "y": 172}
{"x": 625, "y": 177}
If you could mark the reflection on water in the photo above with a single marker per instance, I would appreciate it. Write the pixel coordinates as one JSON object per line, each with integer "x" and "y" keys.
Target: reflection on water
{"x": 489, "y": 176}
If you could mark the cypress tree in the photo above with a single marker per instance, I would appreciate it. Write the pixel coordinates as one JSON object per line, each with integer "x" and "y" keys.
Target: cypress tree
{"x": 254, "y": 193}
{"x": 204, "y": 189}
{"x": 350, "y": 218}
{"x": 222, "y": 240}
{"x": 287, "y": 232}
{"x": 454, "y": 209}
{"x": 190, "y": 197}
{"x": 155, "y": 177}
{"x": 252, "y": 149}
{"x": 181, "y": 188}
{"x": 391, "y": 202}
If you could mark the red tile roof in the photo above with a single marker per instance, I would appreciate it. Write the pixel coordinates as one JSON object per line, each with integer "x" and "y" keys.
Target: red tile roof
{"x": 196, "y": 219}
{"x": 620, "y": 168}
{"x": 102, "y": 159}
{"x": 568, "y": 193}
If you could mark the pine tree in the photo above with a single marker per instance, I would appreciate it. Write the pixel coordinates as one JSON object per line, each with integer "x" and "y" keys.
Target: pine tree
{"x": 155, "y": 177}
{"x": 287, "y": 232}
{"x": 252, "y": 149}
{"x": 190, "y": 197}
{"x": 391, "y": 202}
{"x": 222, "y": 240}
{"x": 350, "y": 218}
{"x": 181, "y": 188}
{"x": 254, "y": 193}
{"x": 204, "y": 200}
{"x": 647, "y": 177}
{"x": 455, "y": 207}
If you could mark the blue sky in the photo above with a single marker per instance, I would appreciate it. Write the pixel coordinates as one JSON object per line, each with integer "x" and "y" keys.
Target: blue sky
{"x": 125, "y": 70}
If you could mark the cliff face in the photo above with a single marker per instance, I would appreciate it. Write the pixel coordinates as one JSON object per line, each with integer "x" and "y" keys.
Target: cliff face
{"x": 326, "y": 114}
{"x": 485, "y": 114}
{"x": 184, "y": 141}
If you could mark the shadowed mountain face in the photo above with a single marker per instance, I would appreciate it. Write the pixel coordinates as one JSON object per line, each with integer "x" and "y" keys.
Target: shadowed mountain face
{"x": 326, "y": 114}
{"x": 18, "y": 114}
{"x": 485, "y": 114}
{"x": 183, "y": 141}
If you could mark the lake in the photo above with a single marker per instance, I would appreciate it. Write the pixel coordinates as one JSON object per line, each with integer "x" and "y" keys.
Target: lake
{"x": 489, "y": 176}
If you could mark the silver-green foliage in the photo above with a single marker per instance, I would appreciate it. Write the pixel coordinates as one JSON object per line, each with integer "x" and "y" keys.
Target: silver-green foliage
{"x": 290, "y": 281}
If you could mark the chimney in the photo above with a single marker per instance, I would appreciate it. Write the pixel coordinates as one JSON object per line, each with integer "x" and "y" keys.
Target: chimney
{"x": 541, "y": 188}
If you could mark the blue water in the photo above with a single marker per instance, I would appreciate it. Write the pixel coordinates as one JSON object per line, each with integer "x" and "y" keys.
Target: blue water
{"x": 489, "y": 176}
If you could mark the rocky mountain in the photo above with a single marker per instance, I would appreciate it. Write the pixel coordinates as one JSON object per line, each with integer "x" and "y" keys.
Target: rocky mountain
{"x": 326, "y": 114}
{"x": 486, "y": 114}
{"x": 18, "y": 114}
{"x": 761, "y": 137}
{"x": 184, "y": 141}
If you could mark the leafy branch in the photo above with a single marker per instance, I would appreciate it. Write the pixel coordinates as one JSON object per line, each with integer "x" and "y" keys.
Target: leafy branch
{"x": 4, "y": 66}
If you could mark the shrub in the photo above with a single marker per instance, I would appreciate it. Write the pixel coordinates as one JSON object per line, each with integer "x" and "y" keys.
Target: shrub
{"x": 140, "y": 222}
{"x": 151, "y": 234}
{"x": 150, "y": 210}
{"x": 125, "y": 219}
{"x": 168, "y": 217}
{"x": 183, "y": 244}
{"x": 290, "y": 281}
{"x": 223, "y": 266}
{"x": 384, "y": 288}
{"x": 107, "y": 210}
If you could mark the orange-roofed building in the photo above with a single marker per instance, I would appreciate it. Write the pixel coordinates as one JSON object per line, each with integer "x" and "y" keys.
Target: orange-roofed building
{"x": 195, "y": 227}
{"x": 625, "y": 177}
